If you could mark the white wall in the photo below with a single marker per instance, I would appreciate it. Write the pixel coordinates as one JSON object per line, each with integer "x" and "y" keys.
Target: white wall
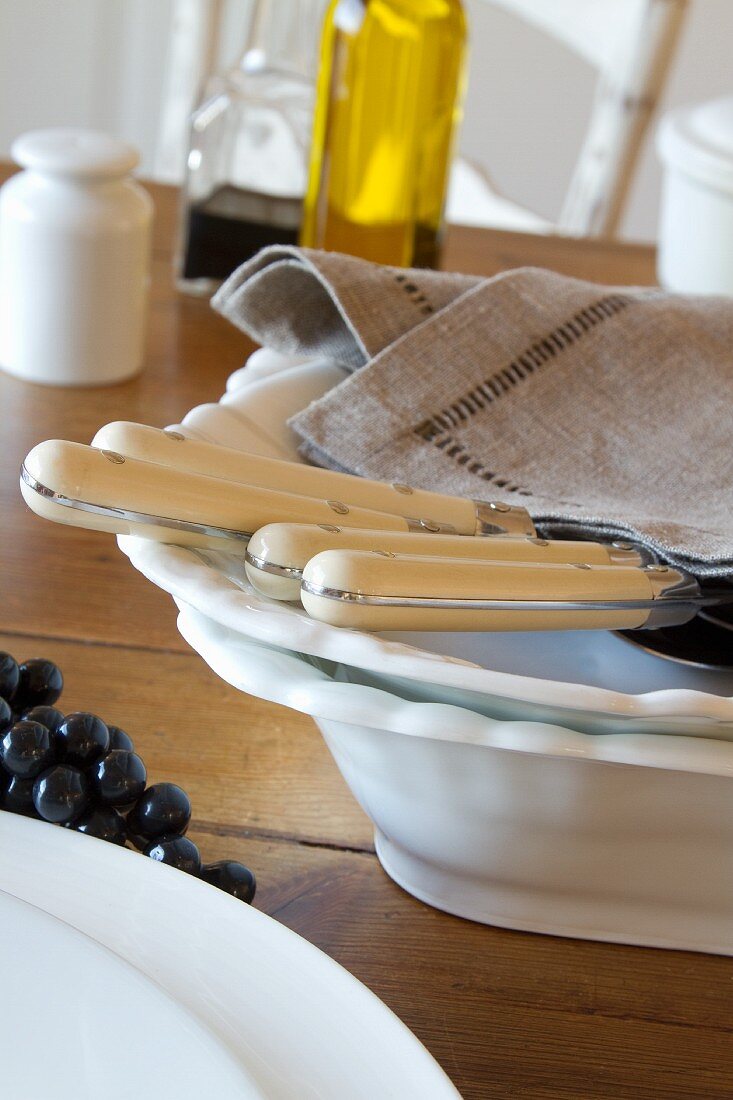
{"x": 98, "y": 63}
{"x": 103, "y": 63}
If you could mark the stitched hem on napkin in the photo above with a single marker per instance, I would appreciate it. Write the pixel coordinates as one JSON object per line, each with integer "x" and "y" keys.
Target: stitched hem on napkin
{"x": 554, "y": 405}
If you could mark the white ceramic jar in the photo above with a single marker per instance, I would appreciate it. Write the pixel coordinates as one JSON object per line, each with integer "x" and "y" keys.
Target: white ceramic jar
{"x": 695, "y": 145}
{"x": 74, "y": 260}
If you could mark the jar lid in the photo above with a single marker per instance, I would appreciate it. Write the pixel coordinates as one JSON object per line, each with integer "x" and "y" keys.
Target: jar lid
{"x": 70, "y": 152}
{"x": 698, "y": 141}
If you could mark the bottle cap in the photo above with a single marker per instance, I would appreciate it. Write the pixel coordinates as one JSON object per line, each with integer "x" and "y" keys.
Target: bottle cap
{"x": 86, "y": 154}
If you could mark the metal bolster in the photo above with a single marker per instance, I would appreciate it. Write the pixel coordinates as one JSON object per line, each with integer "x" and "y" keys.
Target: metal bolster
{"x": 671, "y": 588}
{"x": 494, "y": 517}
{"x": 672, "y": 584}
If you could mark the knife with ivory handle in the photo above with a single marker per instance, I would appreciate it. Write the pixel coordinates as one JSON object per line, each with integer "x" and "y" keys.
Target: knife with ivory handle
{"x": 377, "y": 591}
{"x": 171, "y": 448}
{"x": 105, "y": 491}
{"x": 278, "y": 553}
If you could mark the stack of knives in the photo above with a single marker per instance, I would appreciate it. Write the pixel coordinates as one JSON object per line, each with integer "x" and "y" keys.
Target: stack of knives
{"x": 357, "y": 553}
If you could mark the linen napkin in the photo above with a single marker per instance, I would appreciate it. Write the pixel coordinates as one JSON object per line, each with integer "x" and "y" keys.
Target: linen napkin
{"x": 605, "y": 411}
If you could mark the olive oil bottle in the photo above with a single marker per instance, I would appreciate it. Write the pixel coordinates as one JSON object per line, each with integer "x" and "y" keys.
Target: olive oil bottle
{"x": 387, "y": 104}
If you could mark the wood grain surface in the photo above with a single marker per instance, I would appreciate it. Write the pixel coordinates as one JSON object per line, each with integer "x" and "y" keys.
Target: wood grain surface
{"x": 507, "y": 1014}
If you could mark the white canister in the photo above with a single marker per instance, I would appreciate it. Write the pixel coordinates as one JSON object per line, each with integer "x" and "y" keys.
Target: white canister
{"x": 695, "y": 145}
{"x": 74, "y": 260}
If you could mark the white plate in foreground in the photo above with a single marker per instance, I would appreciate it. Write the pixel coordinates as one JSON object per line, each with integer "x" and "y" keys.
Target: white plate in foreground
{"x": 122, "y": 977}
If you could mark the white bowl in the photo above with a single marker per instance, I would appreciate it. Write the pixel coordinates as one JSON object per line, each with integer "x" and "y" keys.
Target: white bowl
{"x": 626, "y": 838}
{"x": 545, "y": 802}
{"x": 590, "y": 681}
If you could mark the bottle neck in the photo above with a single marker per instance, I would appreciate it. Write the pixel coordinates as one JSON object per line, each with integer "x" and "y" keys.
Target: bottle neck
{"x": 284, "y": 37}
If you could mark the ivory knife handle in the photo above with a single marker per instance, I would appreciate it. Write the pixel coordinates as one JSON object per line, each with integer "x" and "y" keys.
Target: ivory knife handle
{"x": 103, "y": 490}
{"x": 278, "y": 553}
{"x": 170, "y": 448}
{"x": 369, "y": 591}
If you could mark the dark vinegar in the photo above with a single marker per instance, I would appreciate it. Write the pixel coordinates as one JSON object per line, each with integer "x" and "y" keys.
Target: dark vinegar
{"x": 231, "y": 225}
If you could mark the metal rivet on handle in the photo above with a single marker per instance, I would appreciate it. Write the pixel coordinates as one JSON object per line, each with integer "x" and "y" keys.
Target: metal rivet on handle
{"x": 622, "y": 545}
{"x": 657, "y": 568}
{"x": 113, "y": 456}
{"x": 500, "y": 506}
{"x": 173, "y": 435}
{"x": 581, "y": 565}
{"x": 400, "y": 488}
{"x": 330, "y": 528}
{"x": 429, "y": 525}
{"x": 338, "y": 506}
{"x": 536, "y": 541}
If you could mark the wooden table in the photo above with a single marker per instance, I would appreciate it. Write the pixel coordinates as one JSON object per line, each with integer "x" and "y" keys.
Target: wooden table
{"x": 505, "y": 1013}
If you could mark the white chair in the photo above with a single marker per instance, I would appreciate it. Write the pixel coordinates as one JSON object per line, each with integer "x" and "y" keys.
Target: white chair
{"x": 193, "y": 54}
{"x": 631, "y": 44}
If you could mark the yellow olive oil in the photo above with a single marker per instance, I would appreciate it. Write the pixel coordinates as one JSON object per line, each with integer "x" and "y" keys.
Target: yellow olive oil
{"x": 388, "y": 101}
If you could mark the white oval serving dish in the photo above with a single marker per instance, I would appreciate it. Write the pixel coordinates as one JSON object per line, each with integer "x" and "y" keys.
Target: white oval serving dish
{"x": 590, "y": 681}
{"x": 625, "y": 838}
{"x": 511, "y": 779}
